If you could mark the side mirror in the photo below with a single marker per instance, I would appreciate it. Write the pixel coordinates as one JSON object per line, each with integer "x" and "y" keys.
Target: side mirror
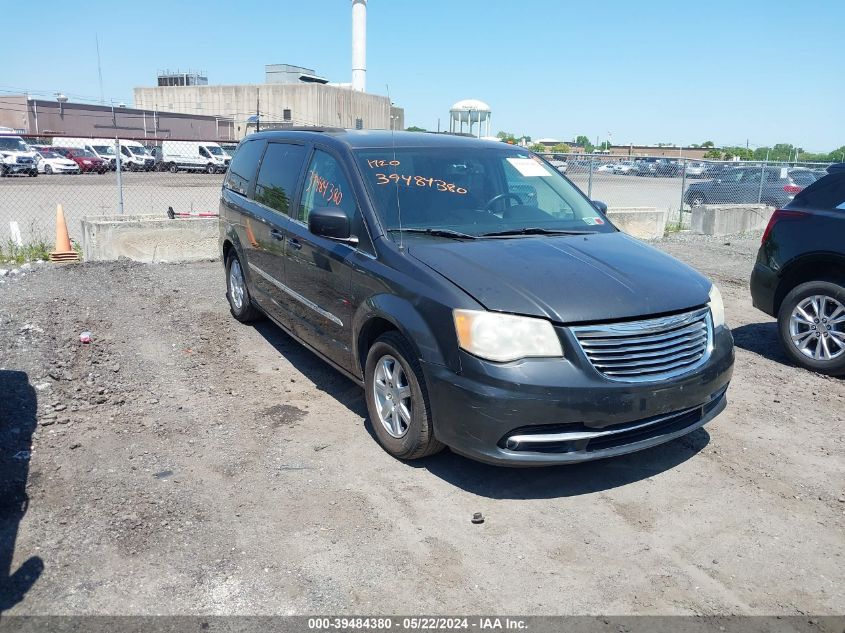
{"x": 330, "y": 222}
{"x": 601, "y": 206}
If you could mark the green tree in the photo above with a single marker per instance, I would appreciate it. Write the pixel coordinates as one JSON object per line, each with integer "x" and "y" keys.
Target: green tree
{"x": 561, "y": 148}
{"x": 742, "y": 153}
{"x": 762, "y": 152}
{"x": 507, "y": 137}
{"x": 539, "y": 148}
{"x": 584, "y": 142}
{"x": 414, "y": 128}
{"x": 714, "y": 154}
{"x": 708, "y": 144}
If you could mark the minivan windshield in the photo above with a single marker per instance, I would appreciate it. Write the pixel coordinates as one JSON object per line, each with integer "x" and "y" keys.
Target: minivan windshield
{"x": 214, "y": 149}
{"x": 138, "y": 150}
{"x": 475, "y": 191}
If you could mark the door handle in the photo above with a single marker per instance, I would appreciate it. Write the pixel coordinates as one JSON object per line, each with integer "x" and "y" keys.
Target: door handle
{"x": 294, "y": 243}
{"x": 276, "y": 234}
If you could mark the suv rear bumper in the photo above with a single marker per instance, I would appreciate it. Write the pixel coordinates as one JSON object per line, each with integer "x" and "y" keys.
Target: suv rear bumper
{"x": 555, "y": 413}
{"x": 763, "y": 286}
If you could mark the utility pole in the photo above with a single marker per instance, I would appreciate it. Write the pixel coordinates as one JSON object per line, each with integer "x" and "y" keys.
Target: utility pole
{"x": 99, "y": 68}
{"x": 257, "y": 110}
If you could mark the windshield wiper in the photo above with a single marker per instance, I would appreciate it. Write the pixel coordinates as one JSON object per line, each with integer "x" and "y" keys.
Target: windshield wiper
{"x": 535, "y": 230}
{"x": 457, "y": 235}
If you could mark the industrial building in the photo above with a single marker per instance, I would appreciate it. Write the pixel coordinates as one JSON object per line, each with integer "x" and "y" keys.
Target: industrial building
{"x": 276, "y": 104}
{"x": 290, "y": 95}
{"x": 62, "y": 117}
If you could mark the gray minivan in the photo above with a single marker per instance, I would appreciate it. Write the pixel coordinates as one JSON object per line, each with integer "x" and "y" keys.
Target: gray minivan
{"x": 479, "y": 298}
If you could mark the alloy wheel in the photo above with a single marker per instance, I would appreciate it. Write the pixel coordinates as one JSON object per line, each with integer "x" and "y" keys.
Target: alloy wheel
{"x": 817, "y": 327}
{"x": 392, "y": 395}
{"x": 237, "y": 285}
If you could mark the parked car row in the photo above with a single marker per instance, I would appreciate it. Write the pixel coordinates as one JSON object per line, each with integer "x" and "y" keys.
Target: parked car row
{"x": 67, "y": 155}
{"x": 772, "y": 186}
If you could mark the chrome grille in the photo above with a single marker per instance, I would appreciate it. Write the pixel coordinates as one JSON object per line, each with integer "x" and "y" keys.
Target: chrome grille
{"x": 653, "y": 349}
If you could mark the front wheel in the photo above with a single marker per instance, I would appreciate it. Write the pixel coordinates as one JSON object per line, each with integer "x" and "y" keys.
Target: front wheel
{"x": 397, "y": 399}
{"x": 48, "y": 170}
{"x": 811, "y": 325}
{"x": 173, "y": 168}
{"x": 210, "y": 169}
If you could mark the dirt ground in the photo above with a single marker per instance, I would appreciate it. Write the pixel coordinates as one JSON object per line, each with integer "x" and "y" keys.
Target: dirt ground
{"x": 183, "y": 463}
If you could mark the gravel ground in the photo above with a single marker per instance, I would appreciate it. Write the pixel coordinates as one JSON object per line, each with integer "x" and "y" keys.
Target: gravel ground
{"x": 182, "y": 463}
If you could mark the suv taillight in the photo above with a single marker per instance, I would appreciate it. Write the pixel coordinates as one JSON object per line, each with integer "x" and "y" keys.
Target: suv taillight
{"x": 779, "y": 214}
{"x": 793, "y": 189}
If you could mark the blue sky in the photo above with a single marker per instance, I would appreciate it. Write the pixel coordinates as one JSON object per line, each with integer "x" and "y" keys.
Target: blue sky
{"x": 648, "y": 71}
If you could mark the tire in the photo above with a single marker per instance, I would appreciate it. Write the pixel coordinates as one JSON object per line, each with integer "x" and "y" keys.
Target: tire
{"x": 33, "y": 173}
{"x": 173, "y": 168}
{"x": 414, "y": 437}
{"x": 803, "y": 340}
{"x": 696, "y": 200}
{"x": 48, "y": 170}
{"x": 210, "y": 169}
{"x": 240, "y": 303}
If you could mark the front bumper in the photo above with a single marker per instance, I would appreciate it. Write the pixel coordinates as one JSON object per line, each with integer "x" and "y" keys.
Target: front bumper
{"x": 19, "y": 168}
{"x": 555, "y": 411}
{"x": 65, "y": 169}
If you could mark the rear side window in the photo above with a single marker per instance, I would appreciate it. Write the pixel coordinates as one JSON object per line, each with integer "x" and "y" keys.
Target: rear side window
{"x": 326, "y": 186}
{"x": 243, "y": 166}
{"x": 280, "y": 169}
{"x": 827, "y": 193}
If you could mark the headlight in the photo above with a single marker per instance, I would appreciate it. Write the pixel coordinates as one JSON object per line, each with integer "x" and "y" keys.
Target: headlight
{"x": 717, "y": 307}
{"x": 504, "y": 337}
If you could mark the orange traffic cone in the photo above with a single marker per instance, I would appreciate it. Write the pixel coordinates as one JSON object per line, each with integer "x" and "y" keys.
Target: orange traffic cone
{"x": 64, "y": 251}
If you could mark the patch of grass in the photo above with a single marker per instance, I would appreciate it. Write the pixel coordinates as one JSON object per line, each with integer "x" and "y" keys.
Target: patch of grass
{"x": 33, "y": 251}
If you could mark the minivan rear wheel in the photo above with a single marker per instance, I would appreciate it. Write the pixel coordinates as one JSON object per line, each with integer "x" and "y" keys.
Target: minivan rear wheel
{"x": 397, "y": 399}
{"x": 811, "y": 325}
{"x": 237, "y": 292}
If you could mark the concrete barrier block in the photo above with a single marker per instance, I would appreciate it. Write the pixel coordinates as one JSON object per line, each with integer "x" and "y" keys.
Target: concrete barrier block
{"x": 645, "y": 223}
{"x": 149, "y": 238}
{"x": 727, "y": 219}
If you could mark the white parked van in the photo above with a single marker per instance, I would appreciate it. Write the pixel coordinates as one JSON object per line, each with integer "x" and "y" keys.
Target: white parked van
{"x": 102, "y": 148}
{"x": 194, "y": 156}
{"x": 135, "y": 157}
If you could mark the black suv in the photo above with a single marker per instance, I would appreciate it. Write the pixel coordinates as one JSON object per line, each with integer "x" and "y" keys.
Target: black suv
{"x": 799, "y": 276}
{"x": 474, "y": 292}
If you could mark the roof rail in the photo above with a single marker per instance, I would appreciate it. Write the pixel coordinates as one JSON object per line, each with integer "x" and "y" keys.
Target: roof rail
{"x": 307, "y": 128}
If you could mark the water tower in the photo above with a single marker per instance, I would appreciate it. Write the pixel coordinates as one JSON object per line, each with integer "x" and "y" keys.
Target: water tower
{"x": 469, "y": 111}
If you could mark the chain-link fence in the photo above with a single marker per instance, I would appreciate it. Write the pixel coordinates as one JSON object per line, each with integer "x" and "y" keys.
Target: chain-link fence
{"x": 678, "y": 185}
{"x": 103, "y": 177}
{"x": 149, "y": 176}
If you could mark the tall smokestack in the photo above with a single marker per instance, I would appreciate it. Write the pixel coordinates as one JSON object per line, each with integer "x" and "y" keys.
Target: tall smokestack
{"x": 359, "y": 45}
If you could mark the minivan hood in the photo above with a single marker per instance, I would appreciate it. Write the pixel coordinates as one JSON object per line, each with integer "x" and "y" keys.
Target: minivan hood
{"x": 568, "y": 279}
